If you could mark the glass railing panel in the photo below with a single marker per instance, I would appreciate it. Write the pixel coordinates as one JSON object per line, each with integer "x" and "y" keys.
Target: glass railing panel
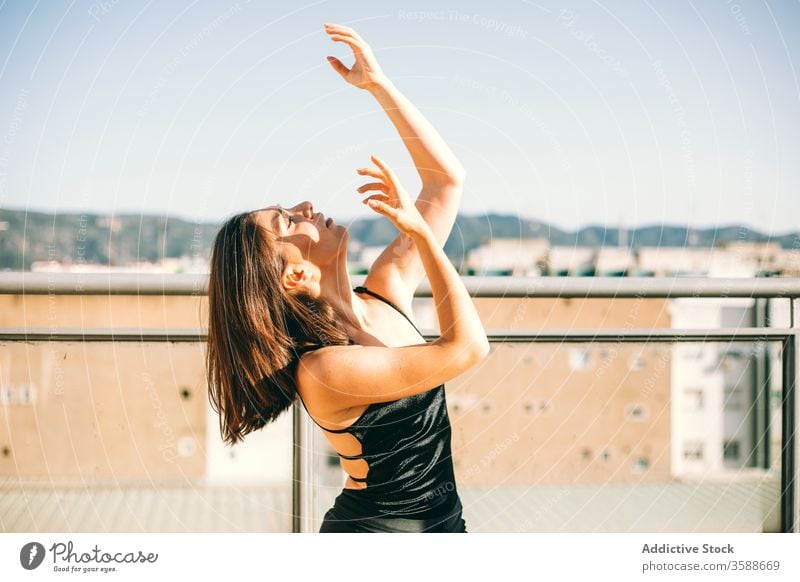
{"x": 102, "y": 436}
{"x": 617, "y": 437}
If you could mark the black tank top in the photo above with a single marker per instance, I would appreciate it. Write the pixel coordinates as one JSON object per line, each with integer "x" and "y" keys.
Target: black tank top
{"x": 406, "y": 445}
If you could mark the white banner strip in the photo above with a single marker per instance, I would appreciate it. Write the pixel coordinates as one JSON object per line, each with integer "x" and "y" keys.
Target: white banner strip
{"x": 352, "y": 557}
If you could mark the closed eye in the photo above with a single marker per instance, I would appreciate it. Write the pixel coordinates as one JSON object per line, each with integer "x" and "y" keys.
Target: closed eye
{"x": 288, "y": 218}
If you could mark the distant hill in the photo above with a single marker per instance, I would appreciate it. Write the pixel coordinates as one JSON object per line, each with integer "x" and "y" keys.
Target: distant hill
{"x": 27, "y": 236}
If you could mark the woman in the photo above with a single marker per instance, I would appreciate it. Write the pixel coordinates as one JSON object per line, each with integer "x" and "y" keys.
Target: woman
{"x": 284, "y": 322}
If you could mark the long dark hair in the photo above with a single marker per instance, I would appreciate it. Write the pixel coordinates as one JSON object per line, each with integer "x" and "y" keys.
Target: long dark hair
{"x": 256, "y": 328}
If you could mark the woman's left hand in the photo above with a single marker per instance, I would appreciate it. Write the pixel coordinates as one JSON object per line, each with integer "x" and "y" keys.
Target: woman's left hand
{"x": 365, "y": 72}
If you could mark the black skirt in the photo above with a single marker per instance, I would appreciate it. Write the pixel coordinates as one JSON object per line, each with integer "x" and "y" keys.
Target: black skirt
{"x": 342, "y": 518}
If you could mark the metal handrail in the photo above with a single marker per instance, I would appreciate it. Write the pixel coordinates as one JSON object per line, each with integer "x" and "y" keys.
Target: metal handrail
{"x": 509, "y": 335}
{"x": 478, "y": 287}
{"x": 43, "y": 283}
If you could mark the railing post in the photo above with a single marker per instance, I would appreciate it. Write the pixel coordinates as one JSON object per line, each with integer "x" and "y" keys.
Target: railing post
{"x": 790, "y": 460}
{"x": 759, "y": 419}
{"x": 787, "y": 437}
{"x": 302, "y": 470}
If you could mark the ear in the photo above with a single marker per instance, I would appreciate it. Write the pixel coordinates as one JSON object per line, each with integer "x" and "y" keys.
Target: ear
{"x": 296, "y": 277}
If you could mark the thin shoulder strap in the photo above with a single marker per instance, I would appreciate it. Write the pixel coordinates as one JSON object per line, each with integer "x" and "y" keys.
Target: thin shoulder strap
{"x": 361, "y": 288}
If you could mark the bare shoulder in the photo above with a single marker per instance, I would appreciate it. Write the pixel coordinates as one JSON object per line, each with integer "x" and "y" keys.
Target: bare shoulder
{"x": 389, "y": 285}
{"x": 335, "y": 378}
{"x": 315, "y": 383}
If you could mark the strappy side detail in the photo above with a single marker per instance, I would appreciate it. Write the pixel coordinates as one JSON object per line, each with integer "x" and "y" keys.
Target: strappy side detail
{"x": 331, "y": 429}
{"x": 347, "y": 427}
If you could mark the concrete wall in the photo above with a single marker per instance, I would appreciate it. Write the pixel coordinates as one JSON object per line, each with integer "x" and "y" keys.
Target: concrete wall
{"x": 565, "y": 413}
{"x": 527, "y": 415}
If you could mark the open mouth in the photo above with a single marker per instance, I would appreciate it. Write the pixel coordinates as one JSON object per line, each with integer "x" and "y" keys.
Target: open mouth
{"x": 328, "y": 222}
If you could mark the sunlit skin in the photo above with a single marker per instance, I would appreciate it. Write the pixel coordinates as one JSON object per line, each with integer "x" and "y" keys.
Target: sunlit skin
{"x": 317, "y": 259}
{"x": 317, "y": 255}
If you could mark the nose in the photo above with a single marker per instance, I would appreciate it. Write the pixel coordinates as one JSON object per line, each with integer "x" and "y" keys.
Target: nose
{"x": 307, "y": 208}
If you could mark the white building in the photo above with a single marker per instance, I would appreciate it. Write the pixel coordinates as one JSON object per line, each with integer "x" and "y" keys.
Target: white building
{"x": 572, "y": 260}
{"x": 524, "y": 257}
{"x": 733, "y": 260}
{"x": 711, "y": 389}
{"x": 726, "y": 396}
{"x": 615, "y": 261}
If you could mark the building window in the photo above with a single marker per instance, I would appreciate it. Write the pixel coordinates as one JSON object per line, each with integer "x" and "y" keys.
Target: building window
{"x": 635, "y": 412}
{"x": 693, "y": 399}
{"x": 640, "y": 465}
{"x": 536, "y": 406}
{"x": 730, "y": 450}
{"x": 693, "y": 450}
{"x": 734, "y": 355}
{"x": 727, "y": 363}
{"x": 578, "y": 358}
{"x": 692, "y": 352}
{"x": 637, "y": 362}
{"x": 733, "y": 398}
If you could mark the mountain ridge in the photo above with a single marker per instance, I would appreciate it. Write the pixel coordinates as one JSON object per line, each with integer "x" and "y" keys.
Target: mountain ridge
{"x": 86, "y": 236}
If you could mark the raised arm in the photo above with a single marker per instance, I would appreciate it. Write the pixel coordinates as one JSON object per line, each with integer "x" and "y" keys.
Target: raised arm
{"x": 346, "y": 376}
{"x": 397, "y": 272}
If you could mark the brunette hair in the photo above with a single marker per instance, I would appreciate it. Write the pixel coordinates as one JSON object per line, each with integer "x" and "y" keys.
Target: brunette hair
{"x": 256, "y": 328}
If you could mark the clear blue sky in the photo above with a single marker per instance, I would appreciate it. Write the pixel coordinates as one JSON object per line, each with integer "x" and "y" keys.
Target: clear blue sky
{"x": 573, "y": 113}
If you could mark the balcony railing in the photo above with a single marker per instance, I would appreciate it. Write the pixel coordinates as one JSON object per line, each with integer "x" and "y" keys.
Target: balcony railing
{"x": 479, "y": 287}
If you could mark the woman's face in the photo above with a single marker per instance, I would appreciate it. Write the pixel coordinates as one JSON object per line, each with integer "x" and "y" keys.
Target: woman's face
{"x": 303, "y": 234}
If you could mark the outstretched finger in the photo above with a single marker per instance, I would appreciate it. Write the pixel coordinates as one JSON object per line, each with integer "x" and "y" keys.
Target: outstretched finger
{"x": 339, "y": 29}
{"x": 369, "y": 172}
{"x": 343, "y": 30}
{"x": 373, "y": 186}
{"x": 382, "y": 197}
{"x": 381, "y": 207}
{"x": 387, "y": 171}
{"x": 354, "y": 44}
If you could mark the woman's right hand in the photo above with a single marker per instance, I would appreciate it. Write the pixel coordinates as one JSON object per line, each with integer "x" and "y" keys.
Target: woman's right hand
{"x": 394, "y": 202}
{"x": 365, "y": 72}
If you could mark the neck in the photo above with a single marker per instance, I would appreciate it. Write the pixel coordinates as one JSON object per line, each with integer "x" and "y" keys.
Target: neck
{"x": 337, "y": 290}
